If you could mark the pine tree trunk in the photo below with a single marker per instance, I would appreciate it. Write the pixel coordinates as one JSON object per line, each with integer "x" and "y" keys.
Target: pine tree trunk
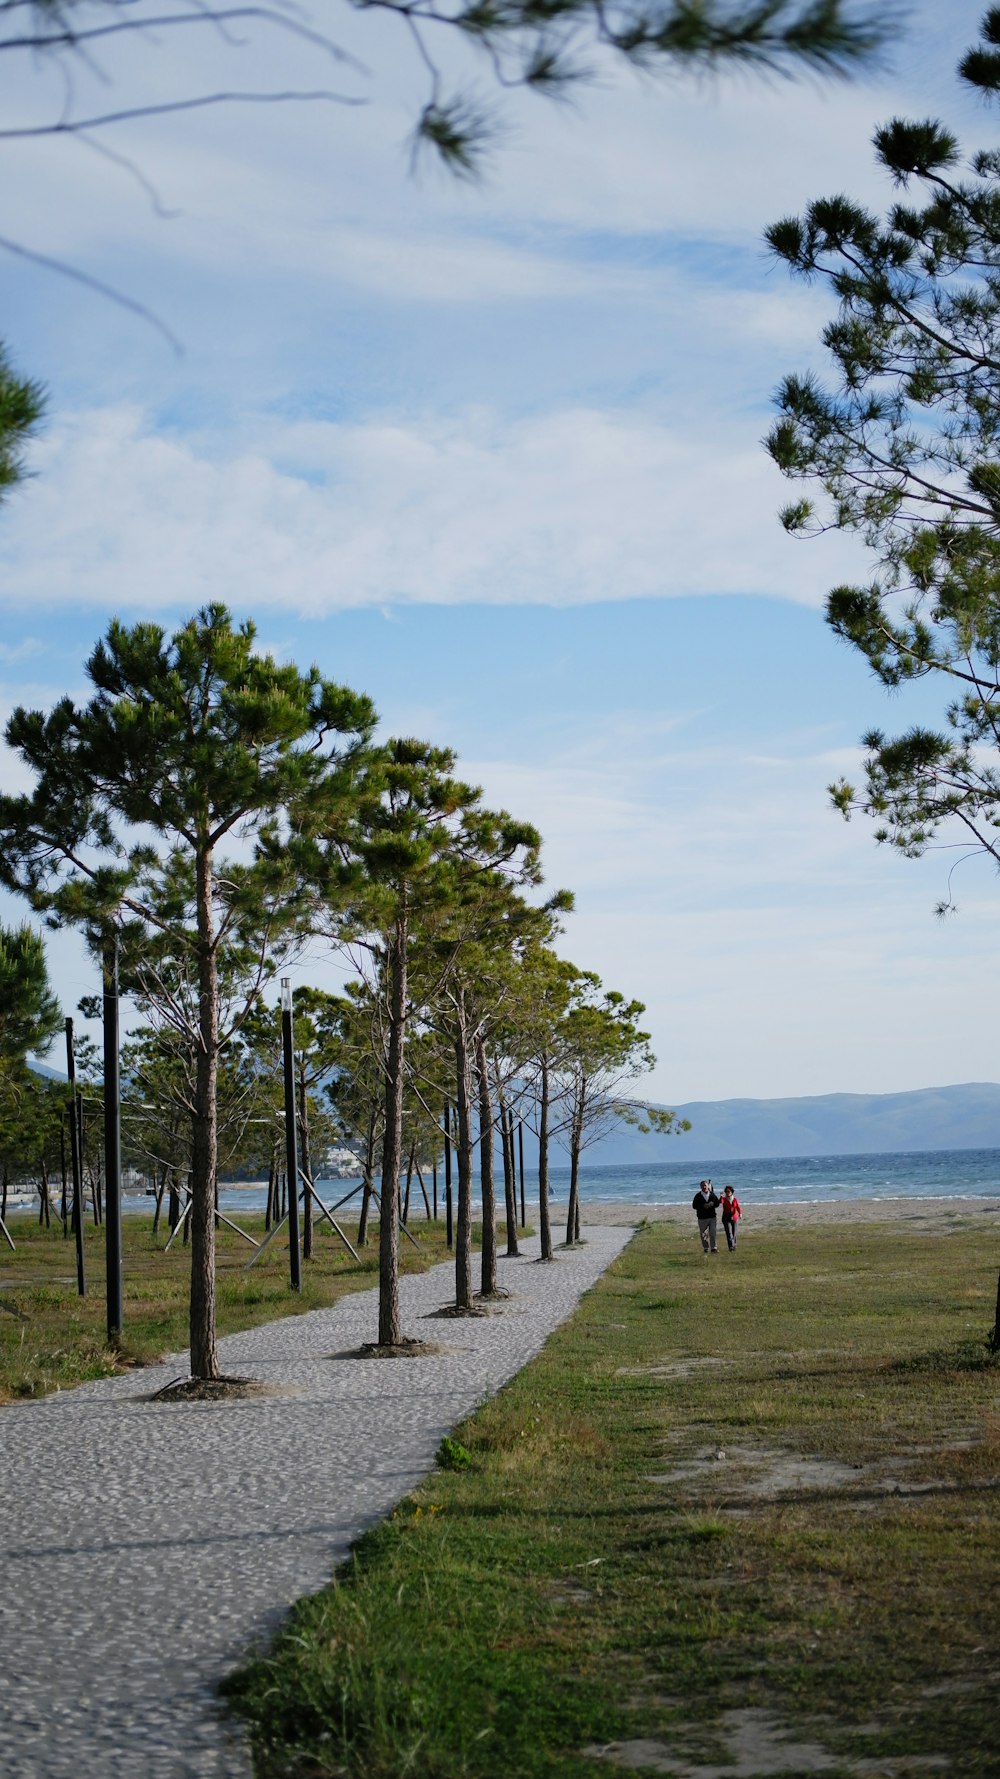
{"x": 573, "y": 1209}
{"x": 509, "y": 1176}
{"x": 544, "y": 1227}
{"x": 158, "y": 1204}
{"x": 389, "y": 1324}
{"x": 463, "y": 1119}
{"x": 420, "y": 1179}
{"x": 409, "y": 1180}
{"x": 488, "y": 1283}
{"x": 204, "y": 1146}
{"x": 366, "y": 1190}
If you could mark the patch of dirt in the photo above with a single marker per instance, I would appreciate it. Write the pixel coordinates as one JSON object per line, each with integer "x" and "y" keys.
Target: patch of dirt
{"x": 500, "y": 1295}
{"x": 570, "y": 1593}
{"x": 408, "y": 1348}
{"x": 673, "y": 1368}
{"x": 218, "y": 1389}
{"x": 744, "y": 1473}
{"x": 757, "y": 1747}
{"x": 761, "y": 1473}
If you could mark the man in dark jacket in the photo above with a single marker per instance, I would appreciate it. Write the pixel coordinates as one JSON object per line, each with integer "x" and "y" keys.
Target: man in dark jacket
{"x": 705, "y": 1203}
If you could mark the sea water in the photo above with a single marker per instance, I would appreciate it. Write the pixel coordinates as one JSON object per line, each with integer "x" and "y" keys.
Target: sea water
{"x": 801, "y": 1179}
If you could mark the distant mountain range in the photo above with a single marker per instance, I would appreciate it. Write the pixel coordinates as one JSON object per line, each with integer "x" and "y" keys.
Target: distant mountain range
{"x": 42, "y": 1068}
{"x": 964, "y": 1117}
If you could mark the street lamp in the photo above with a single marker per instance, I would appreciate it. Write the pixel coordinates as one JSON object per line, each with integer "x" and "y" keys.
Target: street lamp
{"x": 112, "y": 1143}
{"x": 291, "y": 1156}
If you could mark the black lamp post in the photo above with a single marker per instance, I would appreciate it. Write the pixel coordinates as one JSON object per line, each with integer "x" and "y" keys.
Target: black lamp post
{"x": 520, "y": 1155}
{"x": 112, "y": 1144}
{"x": 291, "y": 1155}
{"x": 76, "y": 1161}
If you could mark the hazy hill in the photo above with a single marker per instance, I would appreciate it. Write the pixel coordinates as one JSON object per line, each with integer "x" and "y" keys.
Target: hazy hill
{"x": 964, "y": 1117}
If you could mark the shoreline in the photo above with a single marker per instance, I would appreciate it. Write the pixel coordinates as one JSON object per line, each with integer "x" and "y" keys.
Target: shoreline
{"x": 941, "y": 1213}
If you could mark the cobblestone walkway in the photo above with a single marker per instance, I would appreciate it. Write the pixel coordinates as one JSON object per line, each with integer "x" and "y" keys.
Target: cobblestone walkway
{"x": 144, "y": 1546}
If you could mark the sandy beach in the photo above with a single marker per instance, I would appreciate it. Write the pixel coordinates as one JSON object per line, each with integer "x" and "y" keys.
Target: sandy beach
{"x": 918, "y": 1214}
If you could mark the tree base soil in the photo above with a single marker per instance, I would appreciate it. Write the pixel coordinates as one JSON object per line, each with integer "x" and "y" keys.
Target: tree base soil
{"x": 455, "y": 1312}
{"x": 407, "y": 1348}
{"x": 215, "y": 1389}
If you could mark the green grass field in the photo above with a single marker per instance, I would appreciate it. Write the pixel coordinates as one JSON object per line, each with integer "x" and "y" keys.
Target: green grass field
{"x": 50, "y": 1338}
{"x": 740, "y": 1517}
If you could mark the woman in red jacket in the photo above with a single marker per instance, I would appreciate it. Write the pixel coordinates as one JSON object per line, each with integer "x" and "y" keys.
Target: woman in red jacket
{"x": 731, "y": 1215}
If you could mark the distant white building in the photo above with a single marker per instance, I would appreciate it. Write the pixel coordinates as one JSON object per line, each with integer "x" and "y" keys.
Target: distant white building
{"x": 340, "y": 1164}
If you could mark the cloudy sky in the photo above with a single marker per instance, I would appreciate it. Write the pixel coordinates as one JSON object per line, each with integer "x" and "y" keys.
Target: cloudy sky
{"x": 491, "y": 453}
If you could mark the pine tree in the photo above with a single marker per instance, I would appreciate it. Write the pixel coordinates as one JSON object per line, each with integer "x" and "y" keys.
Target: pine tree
{"x": 21, "y": 404}
{"x": 905, "y": 446}
{"x": 601, "y": 1051}
{"x": 30, "y": 1014}
{"x": 192, "y": 739}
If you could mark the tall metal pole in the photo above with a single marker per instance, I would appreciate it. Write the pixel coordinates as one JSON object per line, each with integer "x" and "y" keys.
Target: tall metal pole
{"x": 112, "y": 1144}
{"x": 75, "y": 1161}
{"x": 447, "y": 1172}
{"x": 63, "y": 1207}
{"x": 520, "y": 1156}
{"x": 307, "y": 1173}
{"x": 291, "y": 1157}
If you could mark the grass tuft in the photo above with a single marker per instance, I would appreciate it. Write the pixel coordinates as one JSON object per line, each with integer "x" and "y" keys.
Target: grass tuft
{"x": 451, "y": 1455}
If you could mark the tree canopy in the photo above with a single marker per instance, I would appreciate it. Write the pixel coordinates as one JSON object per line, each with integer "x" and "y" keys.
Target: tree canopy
{"x": 903, "y": 447}
{"x": 30, "y": 1014}
{"x": 21, "y": 404}
{"x": 544, "y": 46}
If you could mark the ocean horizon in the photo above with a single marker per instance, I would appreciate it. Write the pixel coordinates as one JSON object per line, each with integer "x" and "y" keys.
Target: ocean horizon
{"x": 804, "y": 1179}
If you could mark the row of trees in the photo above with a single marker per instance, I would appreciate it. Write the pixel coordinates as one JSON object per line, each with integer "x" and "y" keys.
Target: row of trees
{"x": 215, "y": 813}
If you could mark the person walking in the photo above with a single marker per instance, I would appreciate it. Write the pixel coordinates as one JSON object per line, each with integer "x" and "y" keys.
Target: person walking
{"x": 731, "y": 1214}
{"x": 705, "y": 1203}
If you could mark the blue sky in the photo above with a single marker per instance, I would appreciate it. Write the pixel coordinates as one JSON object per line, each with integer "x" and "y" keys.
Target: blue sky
{"x": 492, "y": 455}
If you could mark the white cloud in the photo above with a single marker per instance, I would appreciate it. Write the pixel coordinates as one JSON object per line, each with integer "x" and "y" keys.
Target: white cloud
{"x": 564, "y": 509}
{"x": 777, "y": 949}
{"x": 19, "y": 651}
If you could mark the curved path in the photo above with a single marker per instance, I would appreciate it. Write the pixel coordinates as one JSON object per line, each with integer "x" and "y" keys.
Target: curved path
{"x": 144, "y": 1546}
